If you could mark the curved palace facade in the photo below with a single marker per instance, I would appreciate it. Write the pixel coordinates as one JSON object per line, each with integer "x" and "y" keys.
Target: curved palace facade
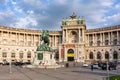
{"x": 73, "y": 43}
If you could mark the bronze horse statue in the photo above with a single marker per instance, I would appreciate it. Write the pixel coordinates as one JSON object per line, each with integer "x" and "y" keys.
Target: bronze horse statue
{"x": 45, "y": 37}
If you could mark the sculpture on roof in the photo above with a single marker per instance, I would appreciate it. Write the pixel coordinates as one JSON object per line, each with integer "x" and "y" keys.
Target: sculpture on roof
{"x": 73, "y": 16}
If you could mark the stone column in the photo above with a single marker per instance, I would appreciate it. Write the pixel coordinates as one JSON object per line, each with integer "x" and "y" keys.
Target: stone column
{"x": 81, "y": 39}
{"x": 79, "y": 34}
{"x": 83, "y": 36}
{"x": 63, "y": 36}
{"x": 93, "y": 39}
{"x": 109, "y": 38}
{"x": 18, "y": 37}
{"x": 103, "y": 39}
{"x": 117, "y": 38}
{"x": 9, "y": 41}
{"x": 88, "y": 40}
{"x": 66, "y": 39}
{"x": 0, "y": 37}
{"x": 65, "y": 54}
{"x": 54, "y": 40}
{"x": 33, "y": 39}
{"x": 24, "y": 39}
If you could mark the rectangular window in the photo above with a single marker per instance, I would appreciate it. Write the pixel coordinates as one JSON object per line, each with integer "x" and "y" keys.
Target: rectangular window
{"x": 13, "y": 55}
{"x": 4, "y": 54}
{"x": 21, "y": 55}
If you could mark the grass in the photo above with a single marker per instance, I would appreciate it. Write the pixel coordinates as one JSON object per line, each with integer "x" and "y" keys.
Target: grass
{"x": 115, "y": 77}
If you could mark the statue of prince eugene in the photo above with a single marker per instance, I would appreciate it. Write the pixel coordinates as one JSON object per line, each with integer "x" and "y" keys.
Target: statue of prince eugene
{"x": 44, "y": 56}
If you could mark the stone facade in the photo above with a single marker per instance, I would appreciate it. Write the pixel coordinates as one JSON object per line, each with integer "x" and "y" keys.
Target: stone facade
{"x": 73, "y": 43}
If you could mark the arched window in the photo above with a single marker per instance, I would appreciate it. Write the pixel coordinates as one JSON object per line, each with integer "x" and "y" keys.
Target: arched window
{"x": 73, "y": 36}
{"x": 115, "y": 55}
{"x": 28, "y": 54}
{"x": 91, "y": 55}
{"x": 99, "y": 56}
{"x": 70, "y": 51}
{"x": 107, "y": 55}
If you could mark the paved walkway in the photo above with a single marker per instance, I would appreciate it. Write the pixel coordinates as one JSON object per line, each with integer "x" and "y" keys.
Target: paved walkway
{"x": 71, "y": 73}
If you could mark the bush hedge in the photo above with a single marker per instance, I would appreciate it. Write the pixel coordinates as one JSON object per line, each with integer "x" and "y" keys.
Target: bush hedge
{"x": 115, "y": 77}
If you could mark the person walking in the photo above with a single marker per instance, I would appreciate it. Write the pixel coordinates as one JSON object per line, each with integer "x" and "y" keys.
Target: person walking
{"x": 91, "y": 67}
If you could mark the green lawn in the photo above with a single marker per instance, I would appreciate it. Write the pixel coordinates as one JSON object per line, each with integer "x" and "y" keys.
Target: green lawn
{"x": 115, "y": 77}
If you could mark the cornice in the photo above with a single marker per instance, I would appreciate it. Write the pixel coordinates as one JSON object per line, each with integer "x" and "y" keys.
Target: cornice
{"x": 103, "y": 29}
{"x": 21, "y": 30}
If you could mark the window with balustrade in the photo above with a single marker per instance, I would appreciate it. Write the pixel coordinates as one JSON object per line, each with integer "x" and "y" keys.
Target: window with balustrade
{"x": 106, "y": 42}
{"x": 12, "y": 55}
{"x": 115, "y": 42}
{"x": 28, "y": 54}
{"x": 98, "y": 43}
{"x": 21, "y": 55}
{"x": 91, "y": 43}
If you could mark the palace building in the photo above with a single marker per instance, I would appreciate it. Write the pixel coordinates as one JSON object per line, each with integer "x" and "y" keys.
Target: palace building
{"x": 73, "y": 43}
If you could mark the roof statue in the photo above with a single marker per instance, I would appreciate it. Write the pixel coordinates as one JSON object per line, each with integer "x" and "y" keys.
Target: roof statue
{"x": 45, "y": 42}
{"x": 73, "y": 16}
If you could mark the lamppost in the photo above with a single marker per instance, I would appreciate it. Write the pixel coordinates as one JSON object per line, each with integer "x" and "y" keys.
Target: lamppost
{"x": 108, "y": 70}
{"x": 108, "y": 66}
{"x": 10, "y": 66}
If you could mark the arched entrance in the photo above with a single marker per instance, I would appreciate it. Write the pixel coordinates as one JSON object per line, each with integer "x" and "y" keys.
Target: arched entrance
{"x": 70, "y": 55}
{"x": 115, "y": 55}
{"x": 107, "y": 56}
{"x": 99, "y": 56}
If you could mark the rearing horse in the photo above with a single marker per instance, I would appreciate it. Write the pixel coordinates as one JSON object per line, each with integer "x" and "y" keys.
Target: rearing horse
{"x": 45, "y": 37}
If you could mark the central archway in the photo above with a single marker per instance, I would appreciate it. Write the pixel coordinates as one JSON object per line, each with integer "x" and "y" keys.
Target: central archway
{"x": 70, "y": 55}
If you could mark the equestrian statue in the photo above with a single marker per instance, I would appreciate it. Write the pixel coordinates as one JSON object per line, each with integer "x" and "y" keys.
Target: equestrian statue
{"x": 45, "y": 37}
{"x": 44, "y": 46}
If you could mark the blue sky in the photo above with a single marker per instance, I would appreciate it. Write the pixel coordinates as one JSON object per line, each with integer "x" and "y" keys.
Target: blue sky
{"x": 48, "y": 14}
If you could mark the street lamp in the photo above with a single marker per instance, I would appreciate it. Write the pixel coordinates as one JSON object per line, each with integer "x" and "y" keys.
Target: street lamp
{"x": 108, "y": 70}
{"x": 10, "y": 66}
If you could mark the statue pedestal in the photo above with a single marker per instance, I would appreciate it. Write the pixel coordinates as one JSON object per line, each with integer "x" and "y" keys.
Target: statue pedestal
{"x": 44, "y": 59}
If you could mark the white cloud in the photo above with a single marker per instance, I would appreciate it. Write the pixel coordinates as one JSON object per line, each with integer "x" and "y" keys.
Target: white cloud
{"x": 25, "y": 22}
{"x": 117, "y": 6}
{"x": 34, "y": 13}
{"x": 115, "y": 17}
{"x": 107, "y": 3}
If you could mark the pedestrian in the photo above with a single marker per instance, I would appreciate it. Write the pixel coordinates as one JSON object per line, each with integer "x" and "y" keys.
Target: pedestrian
{"x": 74, "y": 64}
{"x": 91, "y": 67}
{"x": 67, "y": 65}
